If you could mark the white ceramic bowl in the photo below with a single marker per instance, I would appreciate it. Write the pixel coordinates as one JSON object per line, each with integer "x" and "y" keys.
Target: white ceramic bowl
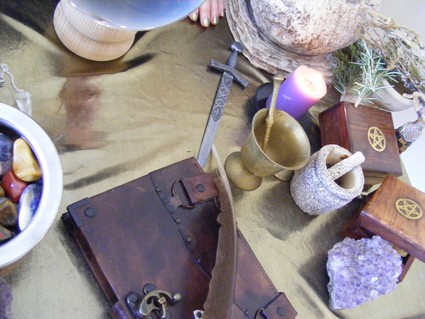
{"x": 51, "y": 168}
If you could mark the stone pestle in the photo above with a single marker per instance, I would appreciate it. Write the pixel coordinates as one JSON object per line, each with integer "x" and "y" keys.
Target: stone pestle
{"x": 346, "y": 165}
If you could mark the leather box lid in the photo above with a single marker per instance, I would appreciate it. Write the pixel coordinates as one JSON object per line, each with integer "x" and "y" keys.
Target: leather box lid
{"x": 395, "y": 212}
{"x": 363, "y": 129}
{"x": 130, "y": 239}
{"x": 136, "y": 234}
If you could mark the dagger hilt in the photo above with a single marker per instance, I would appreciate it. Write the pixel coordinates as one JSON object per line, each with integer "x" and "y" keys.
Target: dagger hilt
{"x": 230, "y": 66}
{"x": 237, "y": 49}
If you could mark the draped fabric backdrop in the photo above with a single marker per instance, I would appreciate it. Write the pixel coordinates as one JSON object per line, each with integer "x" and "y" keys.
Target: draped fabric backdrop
{"x": 115, "y": 121}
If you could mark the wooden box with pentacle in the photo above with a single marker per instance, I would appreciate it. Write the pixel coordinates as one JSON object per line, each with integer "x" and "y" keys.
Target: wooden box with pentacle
{"x": 396, "y": 213}
{"x": 365, "y": 129}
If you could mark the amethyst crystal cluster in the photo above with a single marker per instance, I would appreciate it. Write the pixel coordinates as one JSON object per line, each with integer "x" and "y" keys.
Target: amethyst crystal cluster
{"x": 361, "y": 270}
{"x": 5, "y": 300}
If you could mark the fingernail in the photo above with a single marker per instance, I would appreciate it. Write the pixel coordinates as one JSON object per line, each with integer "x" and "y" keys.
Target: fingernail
{"x": 222, "y": 13}
{"x": 214, "y": 20}
{"x": 206, "y": 22}
{"x": 194, "y": 16}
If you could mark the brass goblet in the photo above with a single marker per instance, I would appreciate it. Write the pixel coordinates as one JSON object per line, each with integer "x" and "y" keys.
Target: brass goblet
{"x": 288, "y": 149}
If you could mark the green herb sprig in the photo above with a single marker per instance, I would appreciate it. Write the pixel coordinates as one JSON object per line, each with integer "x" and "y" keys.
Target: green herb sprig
{"x": 360, "y": 71}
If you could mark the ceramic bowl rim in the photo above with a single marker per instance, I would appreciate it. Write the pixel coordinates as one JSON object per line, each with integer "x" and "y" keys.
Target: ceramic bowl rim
{"x": 51, "y": 168}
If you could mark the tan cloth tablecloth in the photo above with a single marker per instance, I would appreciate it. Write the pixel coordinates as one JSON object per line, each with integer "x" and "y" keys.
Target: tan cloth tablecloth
{"x": 115, "y": 121}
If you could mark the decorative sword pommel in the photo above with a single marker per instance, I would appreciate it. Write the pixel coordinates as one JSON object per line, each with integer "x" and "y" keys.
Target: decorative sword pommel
{"x": 236, "y": 48}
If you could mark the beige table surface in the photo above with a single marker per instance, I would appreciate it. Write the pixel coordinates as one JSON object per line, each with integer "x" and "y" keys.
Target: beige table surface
{"x": 114, "y": 121}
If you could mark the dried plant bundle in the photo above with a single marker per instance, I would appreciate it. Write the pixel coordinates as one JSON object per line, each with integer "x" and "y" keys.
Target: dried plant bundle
{"x": 385, "y": 55}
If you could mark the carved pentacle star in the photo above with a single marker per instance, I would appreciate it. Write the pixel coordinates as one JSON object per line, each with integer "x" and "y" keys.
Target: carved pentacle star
{"x": 376, "y": 139}
{"x": 409, "y": 208}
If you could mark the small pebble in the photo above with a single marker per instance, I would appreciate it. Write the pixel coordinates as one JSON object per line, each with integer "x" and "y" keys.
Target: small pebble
{"x": 5, "y": 234}
{"x": 28, "y": 204}
{"x": 8, "y": 213}
{"x": 13, "y": 186}
{"x": 25, "y": 164}
{"x": 6, "y": 151}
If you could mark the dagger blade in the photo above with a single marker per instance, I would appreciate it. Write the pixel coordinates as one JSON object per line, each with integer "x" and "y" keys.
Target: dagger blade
{"x": 214, "y": 118}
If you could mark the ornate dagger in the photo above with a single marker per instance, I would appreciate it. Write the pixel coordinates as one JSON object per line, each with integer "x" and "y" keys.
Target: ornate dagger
{"x": 229, "y": 74}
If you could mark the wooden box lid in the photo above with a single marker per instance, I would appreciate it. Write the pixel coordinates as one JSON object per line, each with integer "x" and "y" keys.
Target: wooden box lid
{"x": 364, "y": 129}
{"x": 395, "y": 212}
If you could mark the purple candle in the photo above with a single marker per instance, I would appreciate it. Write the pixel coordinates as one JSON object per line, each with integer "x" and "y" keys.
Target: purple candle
{"x": 300, "y": 91}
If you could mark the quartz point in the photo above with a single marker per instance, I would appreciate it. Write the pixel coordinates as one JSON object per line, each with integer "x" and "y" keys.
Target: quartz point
{"x": 361, "y": 270}
{"x": 24, "y": 102}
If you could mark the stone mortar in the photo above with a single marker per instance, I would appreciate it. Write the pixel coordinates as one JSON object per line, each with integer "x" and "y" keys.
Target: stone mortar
{"x": 314, "y": 190}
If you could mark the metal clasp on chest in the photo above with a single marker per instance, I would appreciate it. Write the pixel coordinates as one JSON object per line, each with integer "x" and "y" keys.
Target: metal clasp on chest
{"x": 153, "y": 304}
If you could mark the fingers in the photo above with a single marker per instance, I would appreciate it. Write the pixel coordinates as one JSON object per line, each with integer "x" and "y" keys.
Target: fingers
{"x": 205, "y": 13}
{"x": 208, "y": 13}
{"x": 194, "y": 15}
{"x": 214, "y": 12}
{"x": 221, "y": 8}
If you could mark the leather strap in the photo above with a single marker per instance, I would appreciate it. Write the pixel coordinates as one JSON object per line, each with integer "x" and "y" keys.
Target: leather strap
{"x": 277, "y": 308}
{"x": 190, "y": 191}
{"x": 200, "y": 188}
